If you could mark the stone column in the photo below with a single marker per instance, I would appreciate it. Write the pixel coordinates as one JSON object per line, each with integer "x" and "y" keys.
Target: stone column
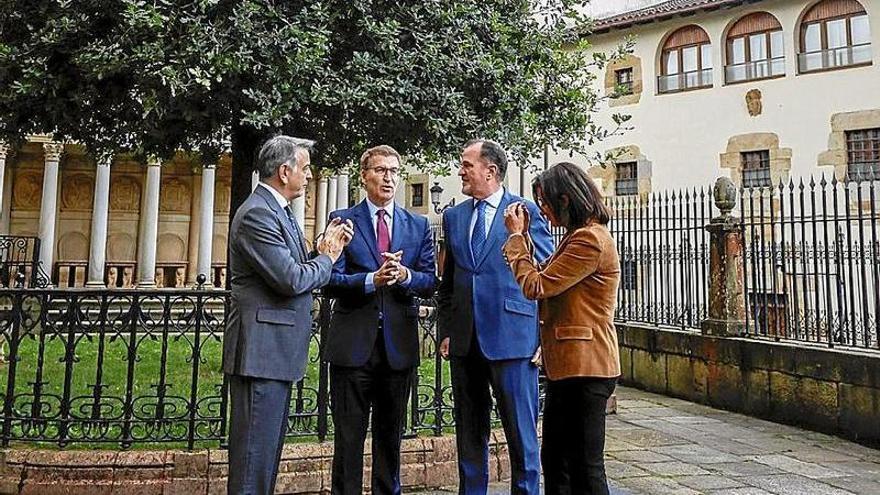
{"x": 206, "y": 223}
{"x": 255, "y": 179}
{"x": 192, "y": 252}
{"x": 49, "y": 204}
{"x": 332, "y": 185}
{"x": 400, "y": 194}
{"x": 100, "y": 212}
{"x": 727, "y": 306}
{"x": 299, "y": 211}
{"x": 342, "y": 192}
{"x": 321, "y": 207}
{"x": 4, "y": 210}
{"x": 149, "y": 226}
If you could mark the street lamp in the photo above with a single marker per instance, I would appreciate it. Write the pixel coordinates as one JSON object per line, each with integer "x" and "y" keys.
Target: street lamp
{"x": 436, "y": 191}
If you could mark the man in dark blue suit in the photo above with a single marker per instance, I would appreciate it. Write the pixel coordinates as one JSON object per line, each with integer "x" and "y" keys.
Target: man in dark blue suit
{"x": 266, "y": 343}
{"x": 373, "y": 341}
{"x": 488, "y": 329}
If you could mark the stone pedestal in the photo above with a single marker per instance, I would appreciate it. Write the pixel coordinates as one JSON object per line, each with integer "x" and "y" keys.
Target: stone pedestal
{"x": 727, "y": 308}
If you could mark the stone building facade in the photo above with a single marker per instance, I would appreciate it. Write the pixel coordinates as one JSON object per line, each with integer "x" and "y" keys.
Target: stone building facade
{"x": 123, "y": 223}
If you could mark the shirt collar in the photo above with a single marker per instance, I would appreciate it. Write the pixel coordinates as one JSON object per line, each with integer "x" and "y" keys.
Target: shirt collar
{"x": 282, "y": 201}
{"x": 389, "y": 209}
{"x": 494, "y": 200}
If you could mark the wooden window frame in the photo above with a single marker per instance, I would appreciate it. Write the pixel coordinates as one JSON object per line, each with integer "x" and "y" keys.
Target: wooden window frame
{"x": 823, "y": 39}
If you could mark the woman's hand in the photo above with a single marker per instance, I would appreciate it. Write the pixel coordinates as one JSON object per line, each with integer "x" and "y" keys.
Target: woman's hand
{"x": 538, "y": 357}
{"x": 516, "y": 218}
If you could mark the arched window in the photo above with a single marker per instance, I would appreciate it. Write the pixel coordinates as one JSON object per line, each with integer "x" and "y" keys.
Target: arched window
{"x": 686, "y": 61}
{"x": 754, "y": 49}
{"x": 834, "y": 33}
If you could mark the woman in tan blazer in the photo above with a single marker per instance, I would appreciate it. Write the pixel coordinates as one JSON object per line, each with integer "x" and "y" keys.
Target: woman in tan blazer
{"x": 576, "y": 291}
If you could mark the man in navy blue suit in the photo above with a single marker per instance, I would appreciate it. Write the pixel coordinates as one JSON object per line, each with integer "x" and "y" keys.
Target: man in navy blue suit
{"x": 373, "y": 341}
{"x": 488, "y": 329}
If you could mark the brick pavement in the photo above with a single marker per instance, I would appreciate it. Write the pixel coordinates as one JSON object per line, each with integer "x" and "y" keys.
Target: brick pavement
{"x": 659, "y": 445}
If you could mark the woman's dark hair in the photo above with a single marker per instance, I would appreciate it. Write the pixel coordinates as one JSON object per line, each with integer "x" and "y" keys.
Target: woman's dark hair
{"x": 584, "y": 199}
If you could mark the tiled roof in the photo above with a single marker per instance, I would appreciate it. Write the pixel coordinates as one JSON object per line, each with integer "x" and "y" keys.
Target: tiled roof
{"x": 662, "y": 11}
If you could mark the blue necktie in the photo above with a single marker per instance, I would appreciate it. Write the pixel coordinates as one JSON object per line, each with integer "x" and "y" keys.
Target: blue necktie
{"x": 478, "y": 236}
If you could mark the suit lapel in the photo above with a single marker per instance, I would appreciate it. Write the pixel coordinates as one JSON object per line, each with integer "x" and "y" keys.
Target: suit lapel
{"x": 463, "y": 224}
{"x": 297, "y": 246}
{"x": 496, "y": 230}
{"x": 364, "y": 224}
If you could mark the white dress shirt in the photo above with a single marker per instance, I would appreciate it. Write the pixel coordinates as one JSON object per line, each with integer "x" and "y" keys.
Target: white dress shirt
{"x": 369, "y": 286}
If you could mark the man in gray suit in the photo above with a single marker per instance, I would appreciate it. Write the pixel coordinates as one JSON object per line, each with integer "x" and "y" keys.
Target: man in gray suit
{"x": 266, "y": 344}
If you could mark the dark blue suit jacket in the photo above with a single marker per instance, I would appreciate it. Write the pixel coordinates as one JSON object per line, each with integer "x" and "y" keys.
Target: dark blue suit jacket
{"x": 357, "y": 315}
{"x": 483, "y": 294}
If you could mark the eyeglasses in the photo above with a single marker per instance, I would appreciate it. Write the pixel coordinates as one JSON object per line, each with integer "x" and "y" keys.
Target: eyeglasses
{"x": 383, "y": 171}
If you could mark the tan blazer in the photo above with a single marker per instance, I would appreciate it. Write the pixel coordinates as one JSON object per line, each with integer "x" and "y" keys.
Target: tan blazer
{"x": 576, "y": 291}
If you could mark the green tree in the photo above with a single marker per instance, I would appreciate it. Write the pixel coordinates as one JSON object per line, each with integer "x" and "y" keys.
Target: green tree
{"x": 156, "y": 76}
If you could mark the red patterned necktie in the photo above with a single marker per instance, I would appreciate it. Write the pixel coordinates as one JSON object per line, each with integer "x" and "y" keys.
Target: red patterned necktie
{"x": 383, "y": 238}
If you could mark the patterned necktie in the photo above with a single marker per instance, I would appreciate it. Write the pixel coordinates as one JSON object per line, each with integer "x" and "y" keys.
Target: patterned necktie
{"x": 383, "y": 238}
{"x": 478, "y": 236}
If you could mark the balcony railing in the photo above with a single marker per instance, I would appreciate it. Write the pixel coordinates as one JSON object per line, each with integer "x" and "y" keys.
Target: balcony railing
{"x": 686, "y": 80}
{"x": 759, "y": 69}
{"x": 835, "y": 58}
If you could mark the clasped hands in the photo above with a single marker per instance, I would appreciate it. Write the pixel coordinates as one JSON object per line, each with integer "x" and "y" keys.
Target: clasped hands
{"x": 391, "y": 271}
{"x": 336, "y": 236}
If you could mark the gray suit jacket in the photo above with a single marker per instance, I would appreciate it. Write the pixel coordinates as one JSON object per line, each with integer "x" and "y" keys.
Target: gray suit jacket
{"x": 272, "y": 279}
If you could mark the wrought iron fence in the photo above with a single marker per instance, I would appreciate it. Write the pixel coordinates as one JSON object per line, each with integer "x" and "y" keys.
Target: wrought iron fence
{"x": 135, "y": 367}
{"x": 19, "y": 262}
{"x": 663, "y": 249}
{"x": 811, "y": 261}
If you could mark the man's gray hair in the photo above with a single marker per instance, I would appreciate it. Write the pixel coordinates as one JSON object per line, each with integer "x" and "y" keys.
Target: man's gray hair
{"x": 277, "y": 151}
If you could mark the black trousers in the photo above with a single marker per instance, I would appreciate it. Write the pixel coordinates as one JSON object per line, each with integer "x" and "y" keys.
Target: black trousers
{"x": 353, "y": 392}
{"x": 572, "y": 452}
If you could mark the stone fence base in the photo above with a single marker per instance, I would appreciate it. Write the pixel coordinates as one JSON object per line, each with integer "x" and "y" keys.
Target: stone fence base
{"x": 305, "y": 469}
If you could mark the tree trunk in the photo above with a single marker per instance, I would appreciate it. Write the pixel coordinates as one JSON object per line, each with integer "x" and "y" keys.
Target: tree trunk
{"x": 245, "y": 144}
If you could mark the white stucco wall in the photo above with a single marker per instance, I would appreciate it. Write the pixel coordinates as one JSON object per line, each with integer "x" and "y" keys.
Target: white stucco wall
{"x": 683, "y": 134}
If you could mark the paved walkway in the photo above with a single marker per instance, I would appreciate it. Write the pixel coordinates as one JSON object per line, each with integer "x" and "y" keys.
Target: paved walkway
{"x": 658, "y": 445}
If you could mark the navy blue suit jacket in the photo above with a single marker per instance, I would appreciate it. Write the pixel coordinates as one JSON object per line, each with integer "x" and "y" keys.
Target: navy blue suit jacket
{"x": 357, "y": 316}
{"x": 482, "y": 294}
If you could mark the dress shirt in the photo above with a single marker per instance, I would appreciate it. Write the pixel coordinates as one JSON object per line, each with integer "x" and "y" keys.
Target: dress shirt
{"x": 369, "y": 286}
{"x": 492, "y": 203}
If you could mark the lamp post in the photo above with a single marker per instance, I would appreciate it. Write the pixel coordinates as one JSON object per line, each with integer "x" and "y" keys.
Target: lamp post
{"x": 439, "y": 243}
{"x": 436, "y": 191}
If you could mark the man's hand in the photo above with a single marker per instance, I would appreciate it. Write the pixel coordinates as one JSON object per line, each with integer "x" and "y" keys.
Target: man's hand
{"x": 337, "y": 235}
{"x": 402, "y": 271}
{"x": 389, "y": 272}
{"x": 444, "y": 348}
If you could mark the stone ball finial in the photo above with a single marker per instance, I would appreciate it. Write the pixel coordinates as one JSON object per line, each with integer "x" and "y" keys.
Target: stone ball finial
{"x": 725, "y": 195}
